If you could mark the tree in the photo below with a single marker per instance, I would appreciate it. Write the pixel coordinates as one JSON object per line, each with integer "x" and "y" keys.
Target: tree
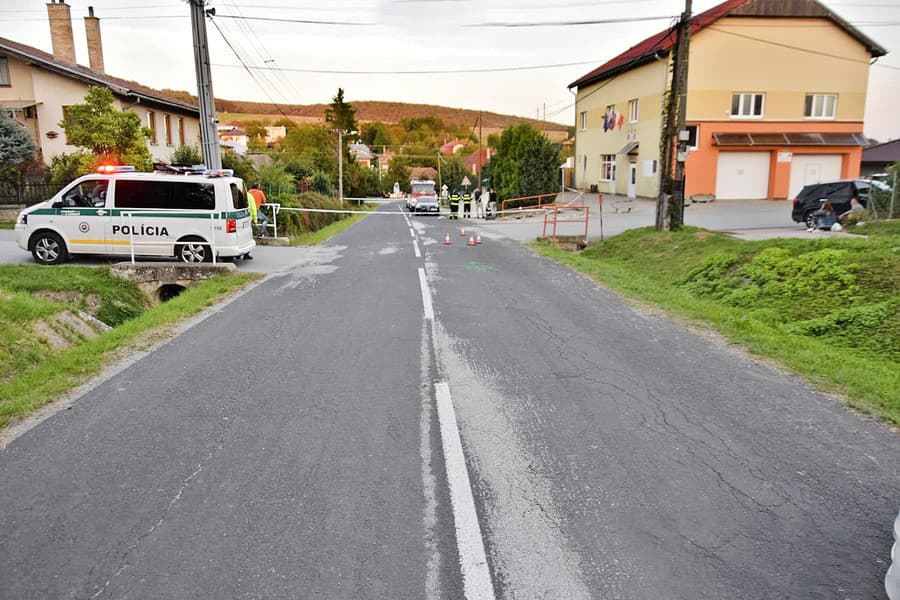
{"x": 453, "y": 169}
{"x": 111, "y": 135}
{"x": 376, "y": 134}
{"x": 16, "y": 143}
{"x": 398, "y": 172}
{"x": 186, "y": 155}
{"x": 526, "y": 163}
{"x": 242, "y": 167}
{"x": 339, "y": 114}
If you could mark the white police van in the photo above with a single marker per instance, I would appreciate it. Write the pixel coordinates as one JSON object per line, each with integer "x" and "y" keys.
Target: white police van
{"x": 191, "y": 215}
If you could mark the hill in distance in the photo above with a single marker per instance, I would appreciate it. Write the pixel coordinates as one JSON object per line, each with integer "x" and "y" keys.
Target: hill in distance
{"x": 370, "y": 110}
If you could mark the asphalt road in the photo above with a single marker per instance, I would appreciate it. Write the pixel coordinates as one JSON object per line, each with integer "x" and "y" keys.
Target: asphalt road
{"x": 392, "y": 417}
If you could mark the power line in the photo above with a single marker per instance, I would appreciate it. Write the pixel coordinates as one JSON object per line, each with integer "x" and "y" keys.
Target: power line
{"x": 631, "y": 63}
{"x": 419, "y": 71}
{"x": 569, "y": 23}
{"x": 799, "y": 49}
{"x": 228, "y": 42}
{"x": 301, "y": 21}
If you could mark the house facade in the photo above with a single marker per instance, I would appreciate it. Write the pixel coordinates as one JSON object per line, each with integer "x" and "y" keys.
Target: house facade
{"x": 876, "y": 159}
{"x": 37, "y": 87}
{"x": 776, "y": 97}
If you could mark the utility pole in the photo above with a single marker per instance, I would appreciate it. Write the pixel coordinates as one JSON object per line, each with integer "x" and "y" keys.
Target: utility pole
{"x": 478, "y": 163}
{"x": 209, "y": 135}
{"x": 670, "y": 201}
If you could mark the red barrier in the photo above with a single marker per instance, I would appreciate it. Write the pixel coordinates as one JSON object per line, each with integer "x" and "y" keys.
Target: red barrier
{"x": 553, "y": 216}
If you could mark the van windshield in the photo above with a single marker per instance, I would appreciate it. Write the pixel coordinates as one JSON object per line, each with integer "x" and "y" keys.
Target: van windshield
{"x": 239, "y": 196}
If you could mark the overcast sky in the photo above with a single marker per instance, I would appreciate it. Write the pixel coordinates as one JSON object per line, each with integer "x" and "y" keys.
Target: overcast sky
{"x": 370, "y": 46}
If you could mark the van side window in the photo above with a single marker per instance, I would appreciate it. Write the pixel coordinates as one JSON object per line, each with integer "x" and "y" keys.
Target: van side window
{"x": 238, "y": 196}
{"x": 87, "y": 194}
{"x": 165, "y": 195}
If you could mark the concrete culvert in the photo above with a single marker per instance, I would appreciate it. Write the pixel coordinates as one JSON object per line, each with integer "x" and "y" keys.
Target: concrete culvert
{"x": 169, "y": 291}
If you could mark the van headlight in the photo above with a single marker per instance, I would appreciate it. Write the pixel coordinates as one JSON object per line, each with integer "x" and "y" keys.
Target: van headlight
{"x": 23, "y": 219}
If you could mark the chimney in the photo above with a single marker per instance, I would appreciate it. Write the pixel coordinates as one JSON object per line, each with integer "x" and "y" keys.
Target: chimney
{"x": 61, "y": 30}
{"x": 94, "y": 44}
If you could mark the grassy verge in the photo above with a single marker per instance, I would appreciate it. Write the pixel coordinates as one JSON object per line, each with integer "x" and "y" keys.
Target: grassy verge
{"x": 34, "y": 372}
{"x": 317, "y": 237}
{"x": 827, "y": 309}
{"x": 7, "y": 224}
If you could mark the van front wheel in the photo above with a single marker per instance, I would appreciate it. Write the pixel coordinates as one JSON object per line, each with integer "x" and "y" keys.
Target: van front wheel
{"x": 193, "y": 250}
{"x": 47, "y": 248}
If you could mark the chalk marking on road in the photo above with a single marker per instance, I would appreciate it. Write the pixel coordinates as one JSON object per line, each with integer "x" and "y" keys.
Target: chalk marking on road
{"x": 416, "y": 248}
{"x": 426, "y": 295}
{"x": 472, "y": 558}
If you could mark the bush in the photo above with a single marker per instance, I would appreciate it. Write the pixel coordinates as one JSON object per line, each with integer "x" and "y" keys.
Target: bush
{"x": 294, "y": 223}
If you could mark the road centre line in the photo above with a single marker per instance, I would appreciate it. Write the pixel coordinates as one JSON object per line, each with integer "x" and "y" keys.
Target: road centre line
{"x": 416, "y": 248}
{"x": 412, "y": 233}
{"x": 426, "y": 295}
{"x": 477, "y": 583}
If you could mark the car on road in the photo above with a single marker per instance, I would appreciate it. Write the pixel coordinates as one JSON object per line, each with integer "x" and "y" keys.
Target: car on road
{"x": 427, "y": 204}
{"x": 837, "y": 193}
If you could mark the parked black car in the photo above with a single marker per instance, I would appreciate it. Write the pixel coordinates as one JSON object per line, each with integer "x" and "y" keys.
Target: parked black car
{"x": 838, "y": 194}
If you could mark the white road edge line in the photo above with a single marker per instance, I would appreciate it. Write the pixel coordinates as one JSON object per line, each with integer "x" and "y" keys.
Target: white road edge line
{"x": 416, "y": 248}
{"x": 472, "y": 558}
{"x": 426, "y": 295}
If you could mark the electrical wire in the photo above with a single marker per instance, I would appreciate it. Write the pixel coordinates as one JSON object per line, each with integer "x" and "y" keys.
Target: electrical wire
{"x": 799, "y": 49}
{"x": 420, "y": 71}
{"x": 241, "y": 60}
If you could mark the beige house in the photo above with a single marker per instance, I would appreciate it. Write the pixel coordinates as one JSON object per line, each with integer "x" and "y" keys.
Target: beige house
{"x": 775, "y": 100}
{"x": 37, "y": 87}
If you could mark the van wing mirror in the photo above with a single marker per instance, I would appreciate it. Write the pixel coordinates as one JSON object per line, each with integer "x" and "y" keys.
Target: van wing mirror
{"x": 58, "y": 204}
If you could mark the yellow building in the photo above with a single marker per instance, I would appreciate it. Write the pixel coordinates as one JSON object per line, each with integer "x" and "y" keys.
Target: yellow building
{"x": 776, "y": 97}
{"x": 36, "y": 88}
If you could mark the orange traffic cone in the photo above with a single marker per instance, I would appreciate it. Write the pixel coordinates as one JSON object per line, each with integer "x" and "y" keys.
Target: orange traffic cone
{"x": 462, "y": 232}
{"x": 447, "y": 239}
{"x": 478, "y": 239}
{"x": 471, "y": 241}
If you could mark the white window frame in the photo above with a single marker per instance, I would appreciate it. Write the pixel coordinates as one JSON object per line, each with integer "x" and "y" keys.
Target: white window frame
{"x": 5, "y": 81}
{"x": 607, "y": 167}
{"x": 746, "y": 104}
{"x": 810, "y": 102}
{"x": 584, "y": 120}
{"x": 633, "y": 111}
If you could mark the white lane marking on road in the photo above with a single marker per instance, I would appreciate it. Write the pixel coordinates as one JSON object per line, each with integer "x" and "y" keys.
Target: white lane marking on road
{"x": 472, "y": 558}
{"x": 429, "y": 482}
{"x": 426, "y": 295}
{"x": 412, "y": 233}
{"x": 416, "y": 248}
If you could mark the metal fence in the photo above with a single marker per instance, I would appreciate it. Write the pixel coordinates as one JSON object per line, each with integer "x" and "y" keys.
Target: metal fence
{"x": 13, "y": 192}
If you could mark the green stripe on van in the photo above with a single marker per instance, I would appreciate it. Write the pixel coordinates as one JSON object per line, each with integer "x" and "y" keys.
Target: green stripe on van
{"x": 118, "y": 212}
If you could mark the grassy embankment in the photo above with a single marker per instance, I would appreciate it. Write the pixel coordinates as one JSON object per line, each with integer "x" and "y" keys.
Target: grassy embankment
{"x": 828, "y": 309}
{"x": 46, "y": 348}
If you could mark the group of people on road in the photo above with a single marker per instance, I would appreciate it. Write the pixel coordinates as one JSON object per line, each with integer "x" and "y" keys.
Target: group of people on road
{"x": 482, "y": 202}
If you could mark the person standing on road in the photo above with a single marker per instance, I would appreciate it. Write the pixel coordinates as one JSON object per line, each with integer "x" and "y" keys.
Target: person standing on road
{"x": 479, "y": 209}
{"x": 258, "y": 198}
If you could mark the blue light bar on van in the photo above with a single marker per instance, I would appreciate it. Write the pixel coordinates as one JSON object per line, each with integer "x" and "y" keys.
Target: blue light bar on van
{"x": 110, "y": 169}
{"x": 219, "y": 172}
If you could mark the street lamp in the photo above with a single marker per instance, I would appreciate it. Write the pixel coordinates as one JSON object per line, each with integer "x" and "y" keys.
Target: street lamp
{"x": 341, "y": 133}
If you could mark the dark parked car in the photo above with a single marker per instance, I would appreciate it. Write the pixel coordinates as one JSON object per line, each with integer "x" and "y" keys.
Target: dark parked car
{"x": 838, "y": 194}
{"x": 427, "y": 204}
